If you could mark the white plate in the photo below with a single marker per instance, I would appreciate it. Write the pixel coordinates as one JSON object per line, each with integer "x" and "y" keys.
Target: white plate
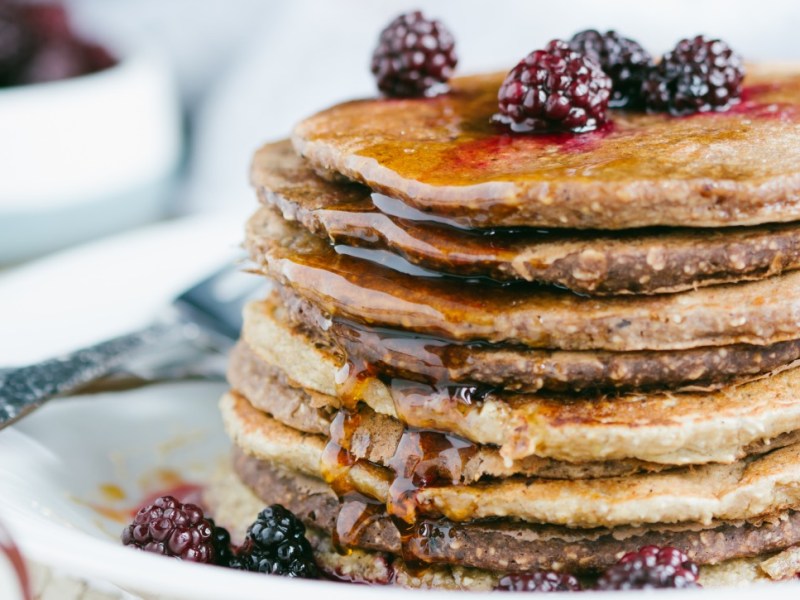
{"x": 54, "y": 462}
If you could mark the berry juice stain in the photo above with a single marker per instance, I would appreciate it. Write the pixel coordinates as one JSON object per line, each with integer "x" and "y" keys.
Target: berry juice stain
{"x": 763, "y": 101}
{"x": 14, "y": 558}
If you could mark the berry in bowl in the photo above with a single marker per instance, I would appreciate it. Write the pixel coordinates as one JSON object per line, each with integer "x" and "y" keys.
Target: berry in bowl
{"x": 91, "y": 133}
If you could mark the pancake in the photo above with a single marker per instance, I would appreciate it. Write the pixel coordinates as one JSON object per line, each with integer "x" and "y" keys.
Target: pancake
{"x": 761, "y": 312}
{"x": 638, "y": 262}
{"x": 443, "y": 156}
{"x": 395, "y": 353}
{"x": 268, "y": 389}
{"x": 509, "y": 546}
{"x": 376, "y": 437}
{"x": 668, "y": 428}
{"x": 755, "y": 487}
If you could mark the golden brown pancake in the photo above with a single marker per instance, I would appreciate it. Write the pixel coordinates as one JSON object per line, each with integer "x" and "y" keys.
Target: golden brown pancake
{"x": 443, "y": 156}
{"x": 759, "y": 312}
{"x": 503, "y": 546}
{"x": 668, "y": 428}
{"x": 234, "y": 506}
{"x": 379, "y": 438}
{"x": 396, "y": 353}
{"x": 752, "y": 488}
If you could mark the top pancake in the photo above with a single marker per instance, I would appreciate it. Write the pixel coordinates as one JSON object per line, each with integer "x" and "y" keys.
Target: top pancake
{"x": 443, "y": 155}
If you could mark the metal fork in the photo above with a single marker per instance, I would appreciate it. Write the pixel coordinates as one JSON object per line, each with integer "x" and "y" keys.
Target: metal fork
{"x": 208, "y": 315}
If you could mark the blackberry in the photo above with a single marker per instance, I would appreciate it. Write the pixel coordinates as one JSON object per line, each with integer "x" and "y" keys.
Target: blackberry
{"x": 168, "y": 527}
{"x": 555, "y": 89}
{"x": 623, "y": 59}
{"x": 698, "y": 75}
{"x": 276, "y": 544}
{"x": 221, "y": 540}
{"x": 17, "y": 43}
{"x": 651, "y": 567}
{"x": 540, "y": 581}
{"x": 415, "y": 57}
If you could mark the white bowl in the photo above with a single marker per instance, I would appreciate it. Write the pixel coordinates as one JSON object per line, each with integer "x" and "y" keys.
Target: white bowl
{"x": 86, "y": 156}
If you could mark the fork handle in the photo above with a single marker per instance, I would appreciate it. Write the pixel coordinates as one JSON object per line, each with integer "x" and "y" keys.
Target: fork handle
{"x": 24, "y": 389}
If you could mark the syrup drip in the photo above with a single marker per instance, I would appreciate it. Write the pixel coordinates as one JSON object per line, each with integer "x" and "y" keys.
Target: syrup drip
{"x": 356, "y": 513}
{"x": 337, "y": 460}
{"x": 416, "y": 402}
{"x": 423, "y": 459}
{"x": 352, "y": 380}
{"x": 396, "y": 356}
{"x": 411, "y": 218}
{"x": 367, "y": 347}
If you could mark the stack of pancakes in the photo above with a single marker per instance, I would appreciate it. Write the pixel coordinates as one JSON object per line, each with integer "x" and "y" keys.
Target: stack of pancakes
{"x": 489, "y": 353}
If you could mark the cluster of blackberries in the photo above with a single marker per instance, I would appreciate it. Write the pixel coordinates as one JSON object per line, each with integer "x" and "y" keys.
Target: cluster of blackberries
{"x": 698, "y": 75}
{"x": 275, "y": 544}
{"x": 567, "y": 86}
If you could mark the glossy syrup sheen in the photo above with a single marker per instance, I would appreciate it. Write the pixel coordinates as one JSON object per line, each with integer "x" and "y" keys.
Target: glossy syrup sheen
{"x": 450, "y": 140}
{"x": 422, "y": 458}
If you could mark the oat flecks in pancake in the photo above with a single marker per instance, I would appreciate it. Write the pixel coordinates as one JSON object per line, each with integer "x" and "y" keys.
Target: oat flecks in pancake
{"x": 597, "y": 262}
{"x": 376, "y": 436}
{"x": 442, "y": 155}
{"x": 759, "y": 312}
{"x": 751, "y": 488}
{"x": 520, "y": 369}
{"x": 680, "y": 428}
{"x": 506, "y": 545}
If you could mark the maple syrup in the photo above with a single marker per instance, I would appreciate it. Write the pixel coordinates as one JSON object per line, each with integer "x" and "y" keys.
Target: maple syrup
{"x": 421, "y": 459}
{"x": 337, "y": 459}
{"x": 424, "y": 458}
{"x": 352, "y": 380}
{"x": 357, "y": 513}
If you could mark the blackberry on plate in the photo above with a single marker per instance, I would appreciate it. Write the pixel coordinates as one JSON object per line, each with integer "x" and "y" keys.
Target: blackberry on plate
{"x": 623, "y": 59}
{"x": 415, "y": 57}
{"x": 221, "y": 539}
{"x": 276, "y": 544}
{"x": 539, "y": 581}
{"x": 555, "y": 89}
{"x": 649, "y": 568}
{"x": 698, "y": 75}
{"x": 168, "y": 527}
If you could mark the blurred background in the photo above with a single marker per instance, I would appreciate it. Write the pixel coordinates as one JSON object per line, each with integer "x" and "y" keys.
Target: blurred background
{"x": 198, "y": 85}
